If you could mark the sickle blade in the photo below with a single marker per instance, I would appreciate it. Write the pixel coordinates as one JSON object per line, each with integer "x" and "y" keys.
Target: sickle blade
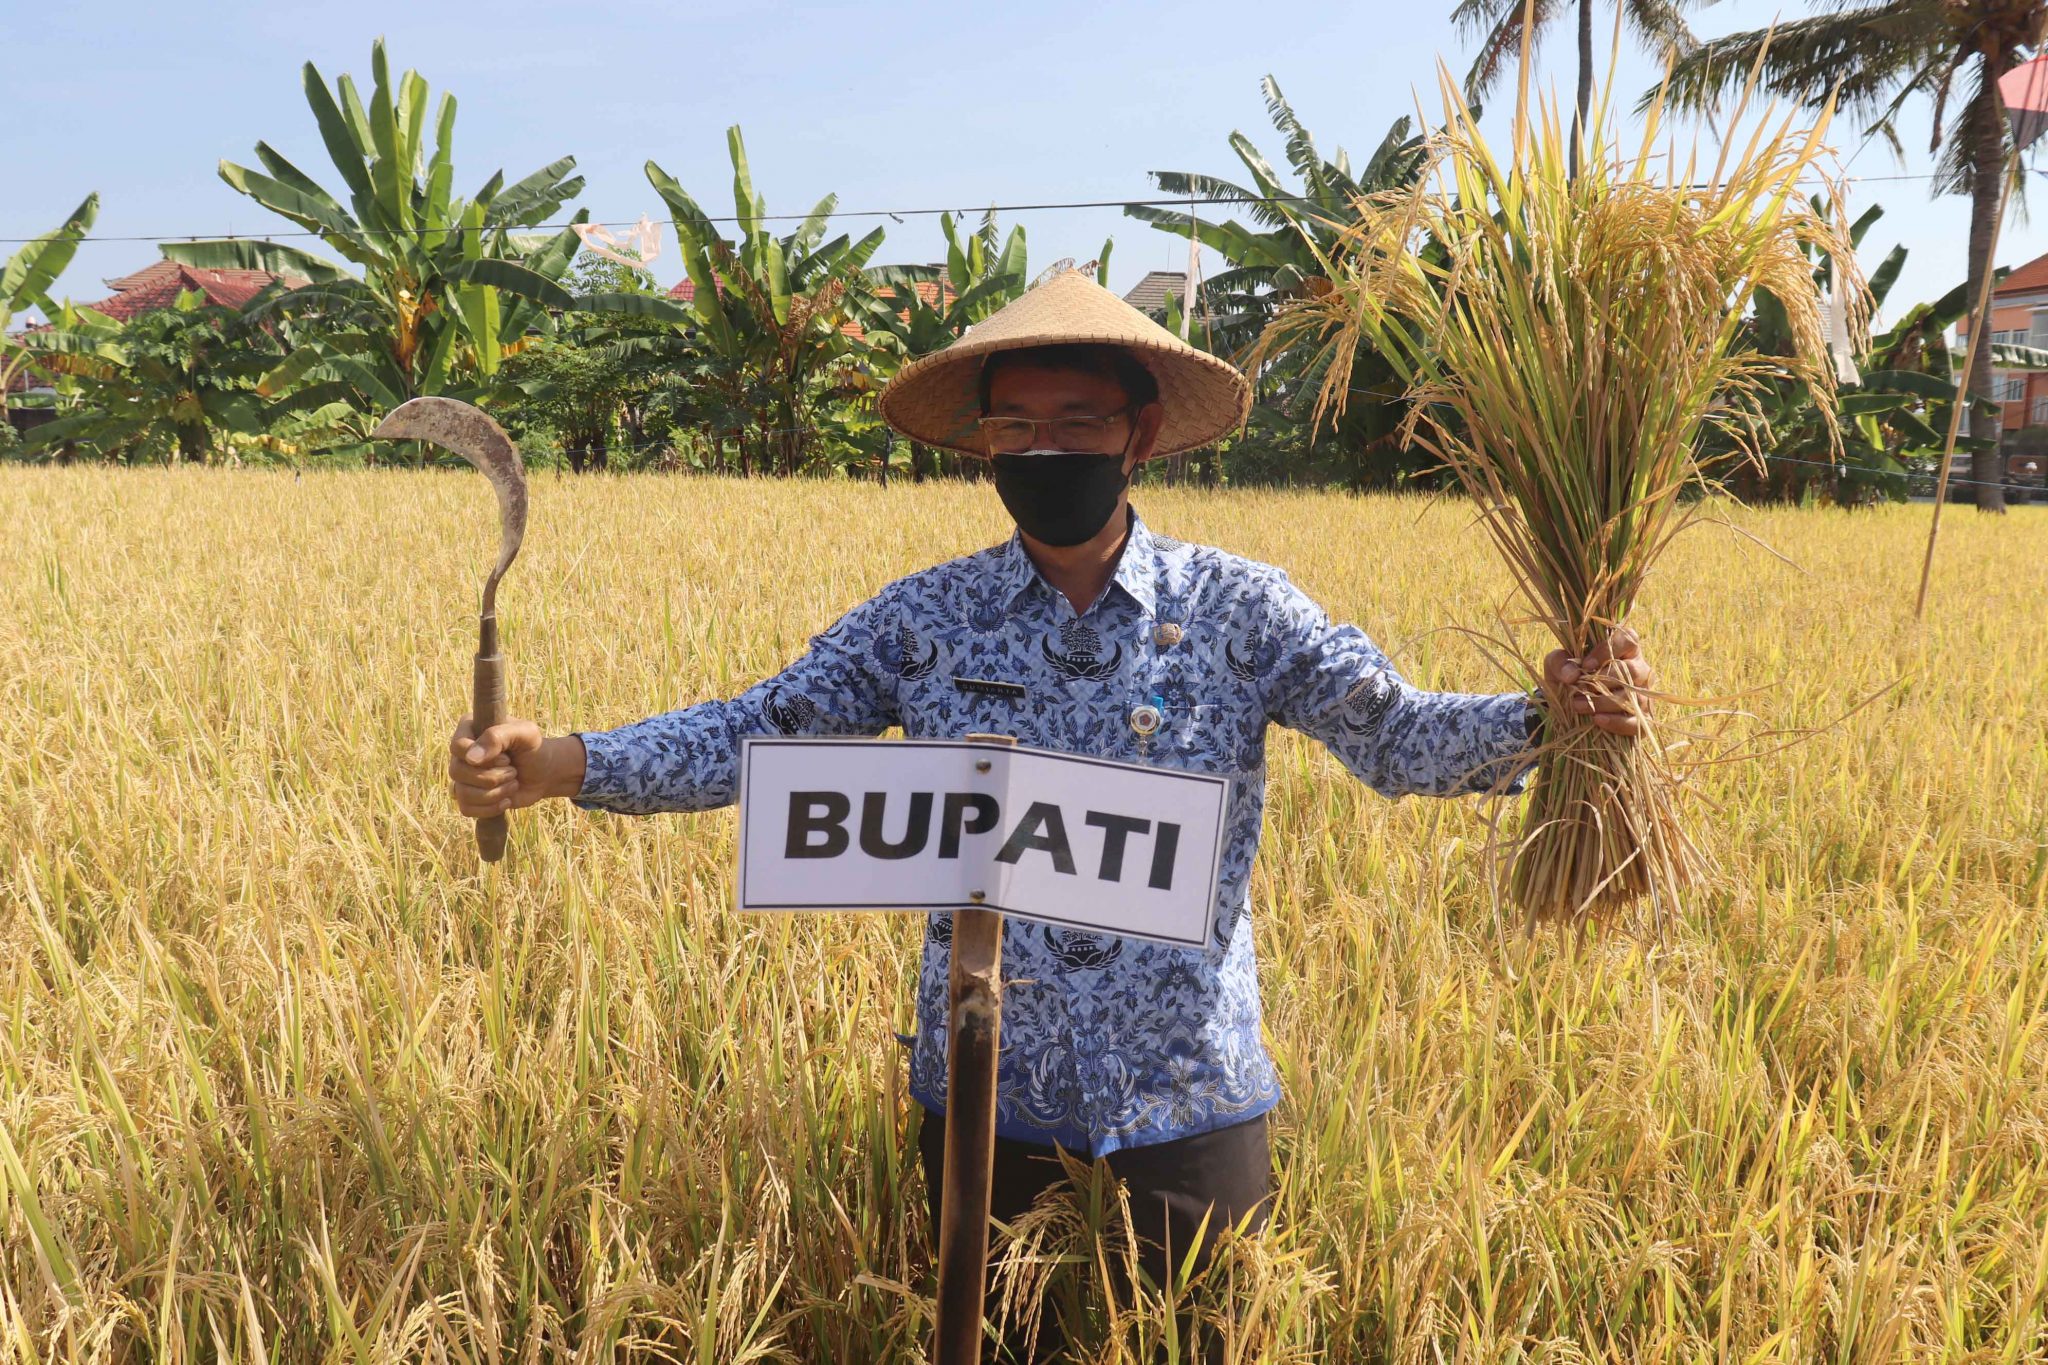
{"x": 470, "y": 433}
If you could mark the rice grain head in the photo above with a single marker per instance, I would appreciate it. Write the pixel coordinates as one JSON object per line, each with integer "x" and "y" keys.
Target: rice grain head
{"x": 1566, "y": 337}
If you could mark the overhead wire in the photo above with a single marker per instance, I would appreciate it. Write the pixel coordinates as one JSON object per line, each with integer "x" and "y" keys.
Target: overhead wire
{"x": 898, "y": 214}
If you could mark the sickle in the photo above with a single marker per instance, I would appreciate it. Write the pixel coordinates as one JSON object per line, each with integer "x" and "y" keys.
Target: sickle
{"x": 470, "y": 433}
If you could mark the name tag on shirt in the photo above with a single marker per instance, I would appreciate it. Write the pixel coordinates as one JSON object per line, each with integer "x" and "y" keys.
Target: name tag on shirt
{"x": 990, "y": 687}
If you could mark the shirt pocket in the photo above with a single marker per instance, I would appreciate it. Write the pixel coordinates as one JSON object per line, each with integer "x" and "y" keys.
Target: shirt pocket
{"x": 1204, "y": 725}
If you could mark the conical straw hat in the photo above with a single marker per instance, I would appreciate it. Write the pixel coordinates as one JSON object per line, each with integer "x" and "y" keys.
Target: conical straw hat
{"x": 936, "y": 399}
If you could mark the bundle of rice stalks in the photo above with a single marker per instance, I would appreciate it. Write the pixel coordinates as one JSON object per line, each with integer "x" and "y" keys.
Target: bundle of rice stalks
{"x": 1565, "y": 340}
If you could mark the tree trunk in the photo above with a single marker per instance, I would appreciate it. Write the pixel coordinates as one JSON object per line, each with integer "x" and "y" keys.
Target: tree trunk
{"x": 193, "y": 442}
{"x": 1585, "y": 81}
{"x": 1986, "y": 131}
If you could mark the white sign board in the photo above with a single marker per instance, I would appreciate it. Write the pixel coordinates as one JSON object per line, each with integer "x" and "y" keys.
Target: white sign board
{"x": 915, "y": 824}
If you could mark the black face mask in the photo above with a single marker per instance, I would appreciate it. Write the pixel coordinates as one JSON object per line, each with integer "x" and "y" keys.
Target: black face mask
{"x": 1058, "y": 497}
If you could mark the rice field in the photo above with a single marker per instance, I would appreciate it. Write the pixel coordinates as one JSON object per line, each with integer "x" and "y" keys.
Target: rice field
{"x": 283, "y": 1078}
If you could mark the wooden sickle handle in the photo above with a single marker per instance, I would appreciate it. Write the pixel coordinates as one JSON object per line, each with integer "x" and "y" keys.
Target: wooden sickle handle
{"x": 487, "y": 708}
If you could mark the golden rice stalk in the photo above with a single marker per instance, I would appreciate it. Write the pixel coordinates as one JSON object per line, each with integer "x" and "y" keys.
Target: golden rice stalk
{"x": 1565, "y": 339}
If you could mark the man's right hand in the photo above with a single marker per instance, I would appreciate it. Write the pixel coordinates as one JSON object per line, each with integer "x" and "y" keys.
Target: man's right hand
{"x": 511, "y": 766}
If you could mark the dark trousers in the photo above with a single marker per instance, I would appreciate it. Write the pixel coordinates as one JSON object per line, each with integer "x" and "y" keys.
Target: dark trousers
{"x": 1173, "y": 1186}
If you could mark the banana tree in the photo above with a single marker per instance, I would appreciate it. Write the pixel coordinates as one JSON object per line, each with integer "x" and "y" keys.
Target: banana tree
{"x": 1916, "y": 352}
{"x": 767, "y": 312}
{"x": 1889, "y": 425}
{"x": 441, "y": 286}
{"x": 1283, "y": 251}
{"x": 1294, "y": 230}
{"x": 983, "y": 271}
{"x": 25, "y": 281}
{"x": 602, "y": 377}
{"x": 164, "y": 384}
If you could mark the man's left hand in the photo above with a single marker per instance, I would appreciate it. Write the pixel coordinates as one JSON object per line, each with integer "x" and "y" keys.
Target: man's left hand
{"x": 1610, "y": 684}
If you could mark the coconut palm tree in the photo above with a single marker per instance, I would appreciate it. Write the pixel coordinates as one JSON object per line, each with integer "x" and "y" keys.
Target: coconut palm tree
{"x": 1874, "y": 57}
{"x": 1657, "y": 23}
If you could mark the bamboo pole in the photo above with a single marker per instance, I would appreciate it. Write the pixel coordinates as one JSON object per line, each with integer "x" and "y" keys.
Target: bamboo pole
{"x": 1955, "y": 420}
{"x": 974, "y": 1022}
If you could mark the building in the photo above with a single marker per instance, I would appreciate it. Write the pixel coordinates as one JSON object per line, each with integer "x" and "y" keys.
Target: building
{"x": 154, "y": 286}
{"x": 937, "y": 296}
{"x": 2019, "y": 317}
{"x": 685, "y": 290}
{"x": 1148, "y": 295}
{"x": 158, "y": 286}
{"x": 28, "y": 386}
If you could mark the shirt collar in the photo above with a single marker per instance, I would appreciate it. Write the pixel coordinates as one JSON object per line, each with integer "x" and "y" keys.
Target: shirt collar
{"x": 1137, "y": 568}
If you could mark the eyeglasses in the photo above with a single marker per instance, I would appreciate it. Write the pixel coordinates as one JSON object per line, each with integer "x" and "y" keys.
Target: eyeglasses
{"x": 1010, "y": 435}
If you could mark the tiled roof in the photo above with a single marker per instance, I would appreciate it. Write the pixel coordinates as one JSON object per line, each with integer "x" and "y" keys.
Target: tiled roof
{"x": 1149, "y": 294}
{"x": 158, "y": 286}
{"x": 685, "y": 290}
{"x": 928, "y": 290}
{"x": 27, "y": 378}
{"x": 2025, "y": 279}
{"x": 140, "y": 279}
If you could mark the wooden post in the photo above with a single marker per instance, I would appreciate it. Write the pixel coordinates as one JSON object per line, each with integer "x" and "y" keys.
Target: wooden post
{"x": 1978, "y": 322}
{"x": 974, "y": 1026}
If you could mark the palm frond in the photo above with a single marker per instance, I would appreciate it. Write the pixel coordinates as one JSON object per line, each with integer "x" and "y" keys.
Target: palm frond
{"x": 1659, "y": 25}
{"x": 1501, "y": 47}
{"x": 1395, "y": 161}
{"x": 1301, "y": 147}
{"x": 1862, "y": 53}
{"x": 1197, "y": 186}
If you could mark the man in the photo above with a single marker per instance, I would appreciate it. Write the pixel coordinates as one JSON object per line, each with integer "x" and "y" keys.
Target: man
{"x": 1087, "y": 632}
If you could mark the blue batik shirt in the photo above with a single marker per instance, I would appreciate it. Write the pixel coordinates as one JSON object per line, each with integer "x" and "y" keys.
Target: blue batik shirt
{"x": 1107, "y": 1042}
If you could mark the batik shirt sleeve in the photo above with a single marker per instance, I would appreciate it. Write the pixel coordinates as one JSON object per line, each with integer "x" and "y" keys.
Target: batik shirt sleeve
{"x": 689, "y": 759}
{"x": 1334, "y": 683}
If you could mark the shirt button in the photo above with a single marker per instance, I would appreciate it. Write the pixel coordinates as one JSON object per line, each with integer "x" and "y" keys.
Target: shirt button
{"x": 1166, "y": 634}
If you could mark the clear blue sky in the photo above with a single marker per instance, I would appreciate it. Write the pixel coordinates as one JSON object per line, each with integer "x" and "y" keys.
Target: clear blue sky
{"x": 889, "y": 104}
